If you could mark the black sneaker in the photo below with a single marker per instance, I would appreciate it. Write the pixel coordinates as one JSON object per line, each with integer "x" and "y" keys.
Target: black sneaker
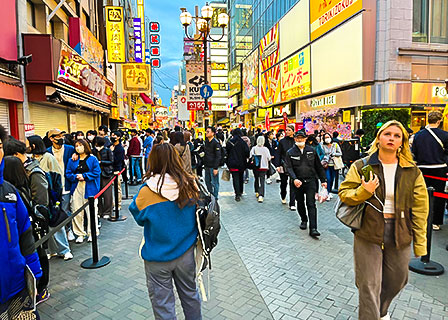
{"x": 303, "y": 225}
{"x": 314, "y": 233}
{"x": 43, "y": 296}
{"x": 237, "y": 198}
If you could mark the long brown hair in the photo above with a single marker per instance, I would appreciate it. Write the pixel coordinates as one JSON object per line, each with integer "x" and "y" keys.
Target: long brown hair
{"x": 164, "y": 159}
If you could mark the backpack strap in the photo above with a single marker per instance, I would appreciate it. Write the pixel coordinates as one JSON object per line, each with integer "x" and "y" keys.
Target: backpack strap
{"x": 435, "y": 136}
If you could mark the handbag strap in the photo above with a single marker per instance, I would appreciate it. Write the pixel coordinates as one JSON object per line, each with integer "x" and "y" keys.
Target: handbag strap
{"x": 435, "y": 136}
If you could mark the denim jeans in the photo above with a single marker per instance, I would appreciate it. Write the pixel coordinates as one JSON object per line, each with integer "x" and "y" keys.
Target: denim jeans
{"x": 331, "y": 175}
{"x": 212, "y": 182}
{"x": 136, "y": 168}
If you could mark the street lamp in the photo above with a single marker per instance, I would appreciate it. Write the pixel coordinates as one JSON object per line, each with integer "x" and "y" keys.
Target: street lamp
{"x": 203, "y": 24}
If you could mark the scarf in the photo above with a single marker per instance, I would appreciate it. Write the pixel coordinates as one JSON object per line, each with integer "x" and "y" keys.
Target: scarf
{"x": 169, "y": 188}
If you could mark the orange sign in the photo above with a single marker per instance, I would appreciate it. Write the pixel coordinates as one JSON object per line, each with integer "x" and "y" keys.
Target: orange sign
{"x": 327, "y": 14}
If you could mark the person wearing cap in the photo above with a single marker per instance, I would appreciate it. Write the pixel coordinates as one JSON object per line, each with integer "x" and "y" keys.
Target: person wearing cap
{"x": 303, "y": 166}
{"x": 283, "y": 146}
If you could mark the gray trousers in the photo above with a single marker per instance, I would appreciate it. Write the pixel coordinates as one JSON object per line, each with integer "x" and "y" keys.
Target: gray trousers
{"x": 260, "y": 178}
{"x": 159, "y": 280}
{"x": 380, "y": 273}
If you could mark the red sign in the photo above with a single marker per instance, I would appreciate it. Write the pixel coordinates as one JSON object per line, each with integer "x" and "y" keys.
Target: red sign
{"x": 155, "y": 63}
{"x": 155, "y": 51}
{"x": 8, "y": 31}
{"x": 267, "y": 121}
{"x": 285, "y": 119}
{"x": 154, "y": 27}
{"x": 154, "y": 39}
{"x": 198, "y": 105}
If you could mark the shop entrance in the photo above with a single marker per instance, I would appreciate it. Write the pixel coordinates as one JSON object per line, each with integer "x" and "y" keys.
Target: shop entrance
{"x": 418, "y": 120}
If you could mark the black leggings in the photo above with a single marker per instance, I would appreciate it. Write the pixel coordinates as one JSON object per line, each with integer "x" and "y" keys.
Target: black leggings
{"x": 238, "y": 181}
{"x": 42, "y": 283}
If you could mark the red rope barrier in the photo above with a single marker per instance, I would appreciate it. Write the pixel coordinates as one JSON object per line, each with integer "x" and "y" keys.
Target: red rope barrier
{"x": 441, "y": 195}
{"x": 436, "y": 178}
{"x": 108, "y": 185}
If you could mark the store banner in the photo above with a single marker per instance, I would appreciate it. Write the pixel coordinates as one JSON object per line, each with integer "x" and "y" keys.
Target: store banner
{"x": 195, "y": 80}
{"x": 182, "y": 112}
{"x": 325, "y": 15}
{"x": 143, "y": 114}
{"x": 75, "y": 72}
{"x": 269, "y": 68}
{"x": 138, "y": 45}
{"x": 250, "y": 81}
{"x": 136, "y": 78}
{"x": 235, "y": 80}
{"x": 116, "y": 43}
{"x": 296, "y": 75}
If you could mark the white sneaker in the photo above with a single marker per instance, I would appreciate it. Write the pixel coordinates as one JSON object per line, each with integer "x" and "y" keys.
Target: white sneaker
{"x": 89, "y": 239}
{"x": 386, "y": 317}
{"x": 70, "y": 235}
{"x": 80, "y": 239}
{"x": 106, "y": 216}
{"x": 51, "y": 255}
{"x": 260, "y": 199}
{"x": 284, "y": 201}
{"x": 268, "y": 181}
{"x": 435, "y": 227}
{"x": 68, "y": 256}
{"x": 292, "y": 208}
{"x": 330, "y": 195}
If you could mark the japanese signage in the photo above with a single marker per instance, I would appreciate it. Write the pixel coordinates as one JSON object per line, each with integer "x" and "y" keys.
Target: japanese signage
{"x": 296, "y": 76}
{"x": 154, "y": 37}
{"x": 76, "y": 72}
{"x": 269, "y": 68}
{"x": 138, "y": 46}
{"x": 281, "y": 111}
{"x": 195, "y": 80}
{"x": 250, "y": 80}
{"x": 85, "y": 43}
{"x": 136, "y": 78}
{"x": 216, "y": 13}
{"x": 116, "y": 43}
{"x": 182, "y": 114}
{"x": 325, "y": 15}
{"x": 235, "y": 80}
{"x": 143, "y": 113}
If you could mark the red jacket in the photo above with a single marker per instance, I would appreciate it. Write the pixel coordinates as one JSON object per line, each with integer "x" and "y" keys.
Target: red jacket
{"x": 134, "y": 147}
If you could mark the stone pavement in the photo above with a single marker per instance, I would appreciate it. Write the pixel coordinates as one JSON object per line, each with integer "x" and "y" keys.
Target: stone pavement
{"x": 264, "y": 267}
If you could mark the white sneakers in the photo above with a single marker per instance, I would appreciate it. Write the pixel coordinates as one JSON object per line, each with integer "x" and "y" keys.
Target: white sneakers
{"x": 386, "y": 317}
{"x": 80, "y": 239}
{"x": 70, "y": 235}
{"x": 68, "y": 256}
{"x": 89, "y": 239}
{"x": 260, "y": 199}
{"x": 292, "y": 208}
{"x": 268, "y": 180}
{"x": 284, "y": 201}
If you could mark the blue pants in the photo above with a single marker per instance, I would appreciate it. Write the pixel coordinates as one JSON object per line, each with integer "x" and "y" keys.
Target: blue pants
{"x": 331, "y": 175}
{"x": 135, "y": 168}
{"x": 212, "y": 182}
{"x": 159, "y": 280}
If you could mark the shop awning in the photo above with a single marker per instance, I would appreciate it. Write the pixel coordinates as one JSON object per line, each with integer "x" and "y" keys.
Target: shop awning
{"x": 146, "y": 99}
{"x": 11, "y": 91}
{"x": 61, "y": 96}
{"x": 223, "y": 121}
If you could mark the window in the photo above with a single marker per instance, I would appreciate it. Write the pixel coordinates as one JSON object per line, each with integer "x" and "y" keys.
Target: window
{"x": 430, "y": 21}
{"x": 30, "y": 13}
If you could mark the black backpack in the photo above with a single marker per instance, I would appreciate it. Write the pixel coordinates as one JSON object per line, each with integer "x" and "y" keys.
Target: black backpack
{"x": 55, "y": 189}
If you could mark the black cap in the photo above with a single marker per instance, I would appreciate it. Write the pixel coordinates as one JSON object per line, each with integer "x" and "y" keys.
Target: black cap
{"x": 300, "y": 133}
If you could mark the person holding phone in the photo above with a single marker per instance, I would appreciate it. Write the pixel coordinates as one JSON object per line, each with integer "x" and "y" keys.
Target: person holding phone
{"x": 395, "y": 190}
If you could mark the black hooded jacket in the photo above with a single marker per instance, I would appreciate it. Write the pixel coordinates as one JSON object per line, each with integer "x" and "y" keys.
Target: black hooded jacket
{"x": 237, "y": 152}
{"x": 283, "y": 146}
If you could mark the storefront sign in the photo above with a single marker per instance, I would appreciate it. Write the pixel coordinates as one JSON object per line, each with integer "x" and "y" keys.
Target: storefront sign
{"x": 269, "y": 68}
{"x": 281, "y": 110}
{"x": 114, "y": 114}
{"x": 29, "y": 129}
{"x": 439, "y": 92}
{"x": 195, "y": 80}
{"x": 219, "y": 66}
{"x": 220, "y": 86}
{"x": 144, "y": 115}
{"x": 250, "y": 81}
{"x": 296, "y": 75}
{"x": 197, "y": 105}
{"x": 116, "y": 44}
{"x": 77, "y": 73}
{"x": 325, "y": 14}
{"x": 218, "y": 45}
{"x": 346, "y": 115}
{"x": 138, "y": 46}
{"x": 136, "y": 78}
{"x": 235, "y": 80}
{"x": 325, "y": 101}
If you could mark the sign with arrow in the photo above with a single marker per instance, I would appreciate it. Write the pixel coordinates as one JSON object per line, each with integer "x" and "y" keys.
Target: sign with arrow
{"x": 206, "y": 91}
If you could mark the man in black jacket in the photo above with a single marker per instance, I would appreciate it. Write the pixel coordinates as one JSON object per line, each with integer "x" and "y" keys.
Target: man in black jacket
{"x": 106, "y": 159}
{"x": 303, "y": 165}
{"x": 284, "y": 145}
{"x": 119, "y": 155}
{"x": 211, "y": 160}
{"x": 237, "y": 155}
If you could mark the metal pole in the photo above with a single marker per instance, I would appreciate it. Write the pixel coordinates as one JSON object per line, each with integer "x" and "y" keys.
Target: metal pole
{"x": 205, "y": 66}
{"x": 116, "y": 217}
{"x": 126, "y": 188}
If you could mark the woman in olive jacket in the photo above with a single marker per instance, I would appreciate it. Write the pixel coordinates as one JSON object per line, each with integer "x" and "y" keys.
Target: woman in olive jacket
{"x": 395, "y": 215}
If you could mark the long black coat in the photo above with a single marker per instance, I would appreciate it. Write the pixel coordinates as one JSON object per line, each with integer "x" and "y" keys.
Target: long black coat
{"x": 237, "y": 153}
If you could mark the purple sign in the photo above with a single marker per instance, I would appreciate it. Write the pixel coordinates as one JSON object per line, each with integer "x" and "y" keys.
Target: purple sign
{"x": 138, "y": 47}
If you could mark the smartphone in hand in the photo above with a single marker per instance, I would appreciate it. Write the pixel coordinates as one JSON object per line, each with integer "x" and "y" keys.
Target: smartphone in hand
{"x": 366, "y": 170}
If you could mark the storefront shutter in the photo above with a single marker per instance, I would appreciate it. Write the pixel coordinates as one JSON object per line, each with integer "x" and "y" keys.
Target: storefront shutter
{"x": 4, "y": 114}
{"x": 85, "y": 121}
{"x": 45, "y": 118}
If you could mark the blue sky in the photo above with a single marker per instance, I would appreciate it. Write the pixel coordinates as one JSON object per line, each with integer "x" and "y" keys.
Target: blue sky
{"x": 167, "y": 12}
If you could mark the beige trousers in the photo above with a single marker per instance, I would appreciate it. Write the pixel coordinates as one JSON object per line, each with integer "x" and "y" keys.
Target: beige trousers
{"x": 78, "y": 222}
{"x": 120, "y": 194}
{"x": 380, "y": 273}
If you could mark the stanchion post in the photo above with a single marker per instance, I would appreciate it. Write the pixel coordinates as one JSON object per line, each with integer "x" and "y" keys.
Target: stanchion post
{"x": 126, "y": 180}
{"x": 94, "y": 262}
{"x": 424, "y": 265}
{"x": 116, "y": 216}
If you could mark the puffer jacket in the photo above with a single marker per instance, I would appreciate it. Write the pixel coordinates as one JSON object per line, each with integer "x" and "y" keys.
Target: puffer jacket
{"x": 411, "y": 204}
{"x": 16, "y": 242}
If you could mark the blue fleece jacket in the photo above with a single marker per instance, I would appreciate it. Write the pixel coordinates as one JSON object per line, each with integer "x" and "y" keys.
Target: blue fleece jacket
{"x": 16, "y": 242}
{"x": 92, "y": 177}
{"x": 68, "y": 152}
{"x": 168, "y": 230}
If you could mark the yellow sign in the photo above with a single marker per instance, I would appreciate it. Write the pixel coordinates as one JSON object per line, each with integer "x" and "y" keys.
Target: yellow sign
{"x": 136, "y": 78}
{"x": 346, "y": 116}
{"x": 141, "y": 15}
{"x": 327, "y": 14}
{"x": 114, "y": 113}
{"x": 296, "y": 75}
{"x": 116, "y": 43}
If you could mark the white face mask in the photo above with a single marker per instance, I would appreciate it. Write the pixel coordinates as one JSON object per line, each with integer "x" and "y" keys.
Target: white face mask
{"x": 99, "y": 148}
{"x": 300, "y": 144}
{"x": 80, "y": 149}
{"x": 90, "y": 138}
{"x": 327, "y": 140}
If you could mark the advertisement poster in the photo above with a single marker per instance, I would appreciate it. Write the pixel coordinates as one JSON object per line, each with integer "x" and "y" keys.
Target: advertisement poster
{"x": 77, "y": 73}
{"x": 296, "y": 75}
{"x": 136, "y": 78}
{"x": 138, "y": 45}
{"x": 143, "y": 113}
{"x": 235, "y": 80}
{"x": 116, "y": 44}
{"x": 195, "y": 80}
{"x": 325, "y": 14}
{"x": 250, "y": 81}
{"x": 270, "y": 74}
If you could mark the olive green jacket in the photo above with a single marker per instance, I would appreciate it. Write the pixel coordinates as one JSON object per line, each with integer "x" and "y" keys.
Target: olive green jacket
{"x": 411, "y": 204}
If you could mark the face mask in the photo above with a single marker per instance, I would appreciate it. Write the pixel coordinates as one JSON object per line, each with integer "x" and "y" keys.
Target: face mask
{"x": 113, "y": 140}
{"x": 327, "y": 140}
{"x": 80, "y": 137}
{"x": 90, "y": 138}
{"x": 300, "y": 144}
{"x": 60, "y": 142}
{"x": 99, "y": 148}
{"x": 80, "y": 149}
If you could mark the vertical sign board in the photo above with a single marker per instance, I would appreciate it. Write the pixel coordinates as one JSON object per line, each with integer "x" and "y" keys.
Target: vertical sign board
{"x": 141, "y": 16}
{"x": 269, "y": 67}
{"x": 154, "y": 40}
{"x": 296, "y": 75}
{"x": 182, "y": 111}
{"x": 116, "y": 44}
{"x": 195, "y": 80}
{"x": 138, "y": 45}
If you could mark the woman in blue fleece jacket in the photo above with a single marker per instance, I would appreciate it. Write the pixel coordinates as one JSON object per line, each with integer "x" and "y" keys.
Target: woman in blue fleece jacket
{"x": 165, "y": 206}
{"x": 16, "y": 250}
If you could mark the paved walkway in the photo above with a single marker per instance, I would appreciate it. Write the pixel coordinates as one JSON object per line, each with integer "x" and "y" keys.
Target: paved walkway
{"x": 265, "y": 267}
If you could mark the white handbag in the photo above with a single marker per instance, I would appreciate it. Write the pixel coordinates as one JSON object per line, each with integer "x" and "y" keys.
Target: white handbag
{"x": 338, "y": 163}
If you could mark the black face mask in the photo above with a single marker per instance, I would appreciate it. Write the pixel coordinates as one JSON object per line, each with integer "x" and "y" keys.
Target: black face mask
{"x": 113, "y": 139}
{"x": 60, "y": 142}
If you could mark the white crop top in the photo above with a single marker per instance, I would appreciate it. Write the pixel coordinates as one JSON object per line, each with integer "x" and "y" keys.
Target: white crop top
{"x": 389, "y": 177}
